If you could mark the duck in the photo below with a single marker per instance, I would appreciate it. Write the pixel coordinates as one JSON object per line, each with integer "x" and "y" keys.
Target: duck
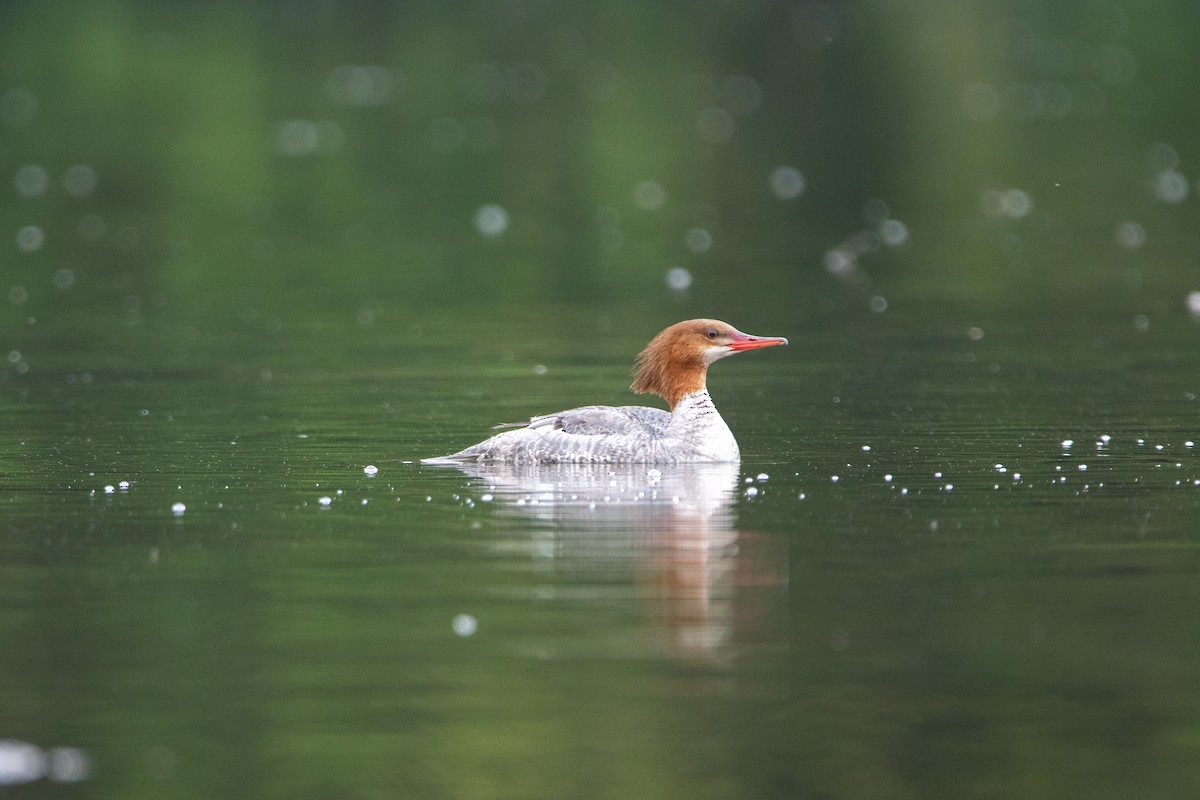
{"x": 674, "y": 366}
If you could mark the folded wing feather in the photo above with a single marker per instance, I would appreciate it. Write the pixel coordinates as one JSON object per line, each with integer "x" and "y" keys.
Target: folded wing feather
{"x": 601, "y": 421}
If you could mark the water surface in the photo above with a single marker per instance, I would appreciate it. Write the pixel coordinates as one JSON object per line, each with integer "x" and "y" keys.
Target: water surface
{"x": 254, "y": 250}
{"x": 942, "y": 556}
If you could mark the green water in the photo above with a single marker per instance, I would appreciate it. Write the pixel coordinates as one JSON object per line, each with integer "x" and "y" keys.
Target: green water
{"x": 258, "y": 248}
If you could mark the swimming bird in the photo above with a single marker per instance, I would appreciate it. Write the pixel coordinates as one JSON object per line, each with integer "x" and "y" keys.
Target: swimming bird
{"x": 674, "y": 366}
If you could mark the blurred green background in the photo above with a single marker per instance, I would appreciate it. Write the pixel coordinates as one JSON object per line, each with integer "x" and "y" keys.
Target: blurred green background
{"x": 388, "y": 156}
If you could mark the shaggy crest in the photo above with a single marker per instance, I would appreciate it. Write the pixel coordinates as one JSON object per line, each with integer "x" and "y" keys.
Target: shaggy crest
{"x": 674, "y": 364}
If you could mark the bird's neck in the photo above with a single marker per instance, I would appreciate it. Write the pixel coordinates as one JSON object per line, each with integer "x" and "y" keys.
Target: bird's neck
{"x": 671, "y": 381}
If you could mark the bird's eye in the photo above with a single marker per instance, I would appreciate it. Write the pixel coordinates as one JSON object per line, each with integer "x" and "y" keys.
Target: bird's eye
{"x": 712, "y": 333}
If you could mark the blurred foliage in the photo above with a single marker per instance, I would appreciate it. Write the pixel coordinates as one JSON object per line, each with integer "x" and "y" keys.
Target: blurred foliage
{"x": 343, "y": 149}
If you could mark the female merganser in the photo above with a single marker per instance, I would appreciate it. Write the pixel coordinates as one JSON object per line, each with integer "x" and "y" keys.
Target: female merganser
{"x": 673, "y": 366}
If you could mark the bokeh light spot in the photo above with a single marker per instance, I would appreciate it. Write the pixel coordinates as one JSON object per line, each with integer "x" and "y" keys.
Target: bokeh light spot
{"x": 20, "y": 762}
{"x": 360, "y": 85}
{"x": 715, "y": 125}
{"x": 649, "y": 195}
{"x": 491, "y": 220}
{"x": 30, "y": 238}
{"x": 698, "y": 240}
{"x": 1171, "y": 187}
{"x": 1130, "y": 235}
{"x": 787, "y": 183}
{"x": 741, "y": 94}
{"x": 678, "y": 279}
{"x": 1162, "y": 157}
{"x": 1010, "y": 203}
{"x": 464, "y": 625}
{"x": 79, "y": 180}
{"x": 64, "y": 278}
{"x": 303, "y": 137}
{"x": 1193, "y": 303}
{"x": 893, "y": 232}
{"x": 31, "y": 180}
{"x": 980, "y": 101}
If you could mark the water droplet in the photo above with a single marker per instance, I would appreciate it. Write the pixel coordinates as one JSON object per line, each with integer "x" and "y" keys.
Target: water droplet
{"x": 464, "y": 625}
{"x": 20, "y": 762}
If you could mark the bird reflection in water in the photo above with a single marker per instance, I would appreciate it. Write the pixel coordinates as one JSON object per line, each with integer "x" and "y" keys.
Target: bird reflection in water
{"x": 711, "y": 594}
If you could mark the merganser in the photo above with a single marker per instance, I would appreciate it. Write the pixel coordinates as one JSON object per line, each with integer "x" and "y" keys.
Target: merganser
{"x": 673, "y": 366}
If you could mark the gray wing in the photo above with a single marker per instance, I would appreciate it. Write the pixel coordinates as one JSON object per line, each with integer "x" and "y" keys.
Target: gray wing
{"x": 601, "y": 421}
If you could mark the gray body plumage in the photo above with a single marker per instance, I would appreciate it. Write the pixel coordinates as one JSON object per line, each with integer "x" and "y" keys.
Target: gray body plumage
{"x": 693, "y": 432}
